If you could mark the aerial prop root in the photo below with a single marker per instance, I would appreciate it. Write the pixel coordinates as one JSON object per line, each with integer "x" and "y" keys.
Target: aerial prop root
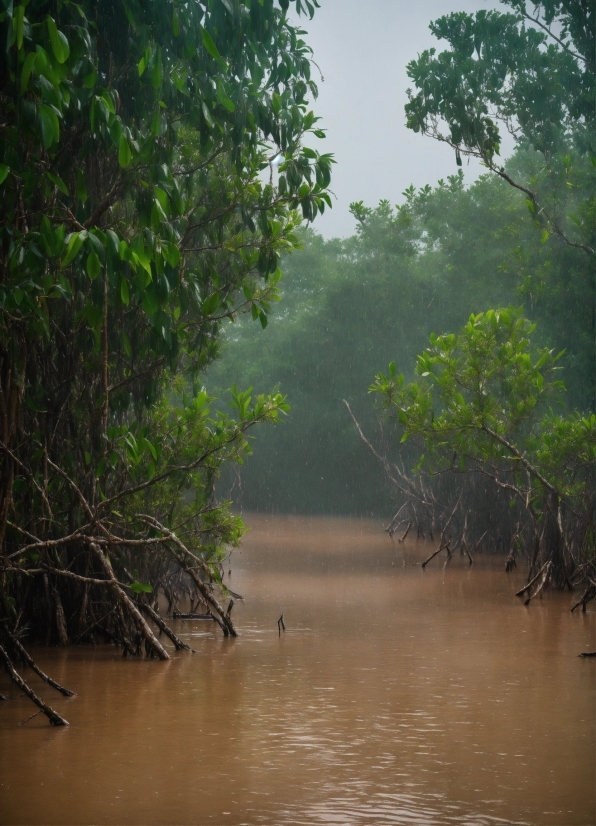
{"x": 129, "y": 608}
{"x": 189, "y": 563}
{"x": 26, "y": 659}
{"x": 52, "y": 715}
{"x": 588, "y": 596}
{"x": 545, "y": 573}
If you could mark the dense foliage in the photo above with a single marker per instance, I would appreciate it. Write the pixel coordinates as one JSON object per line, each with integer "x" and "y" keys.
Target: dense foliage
{"x": 136, "y": 216}
{"x": 532, "y": 72}
{"x": 482, "y": 403}
{"x": 351, "y": 306}
{"x": 523, "y": 234}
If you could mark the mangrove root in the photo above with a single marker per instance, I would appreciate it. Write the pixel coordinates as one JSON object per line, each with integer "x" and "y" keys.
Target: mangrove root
{"x": 25, "y": 658}
{"x": 178, "y": 615}
{"x": 153, "y": 646}
{"x": 465, "y": 550}
{"x": 541, "y": 586}
{"x": 406, "y": 532}
{"x": 53, "y": 716}
{"x": 434, "y": 553}
{"x": 587, "y": 597}
{"x": 529, "y": 584}
{"x": 164, "y": 628}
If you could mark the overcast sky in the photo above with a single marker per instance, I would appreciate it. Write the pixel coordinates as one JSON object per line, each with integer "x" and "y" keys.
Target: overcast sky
{"x": 362, "y": 47}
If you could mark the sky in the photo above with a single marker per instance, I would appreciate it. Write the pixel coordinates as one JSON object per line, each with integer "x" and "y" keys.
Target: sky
{"x": 362, "y": 48}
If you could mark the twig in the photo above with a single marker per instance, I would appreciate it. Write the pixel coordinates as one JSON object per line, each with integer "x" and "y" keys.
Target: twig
{"x": 22, "y": 723}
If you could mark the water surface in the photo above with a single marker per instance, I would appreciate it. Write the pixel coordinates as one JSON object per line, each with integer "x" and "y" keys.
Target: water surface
{"x": 396, "y": 696}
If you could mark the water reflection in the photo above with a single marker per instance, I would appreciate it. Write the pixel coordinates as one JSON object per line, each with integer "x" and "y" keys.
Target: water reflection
{"x": 397, "y": 696}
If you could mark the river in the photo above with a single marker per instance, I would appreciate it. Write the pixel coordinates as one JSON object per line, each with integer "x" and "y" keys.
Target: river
{"x": 396, "y": 696}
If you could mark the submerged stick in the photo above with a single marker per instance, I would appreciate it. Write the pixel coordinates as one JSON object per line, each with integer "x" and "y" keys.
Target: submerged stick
{"x": 406, "y": 532}
{"x": 22, "y": 723}
{"x": 587, "y": 597}
{"x": 53, "y": 716}
{"x": 281, "y": 626}
{"x": 434, "y": 553}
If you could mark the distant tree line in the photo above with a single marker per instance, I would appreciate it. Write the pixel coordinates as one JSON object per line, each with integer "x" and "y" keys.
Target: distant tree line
{"x": 497, "y": 432}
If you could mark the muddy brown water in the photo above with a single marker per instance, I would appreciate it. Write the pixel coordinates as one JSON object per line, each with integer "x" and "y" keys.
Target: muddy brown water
{"x": 396, "y": 696}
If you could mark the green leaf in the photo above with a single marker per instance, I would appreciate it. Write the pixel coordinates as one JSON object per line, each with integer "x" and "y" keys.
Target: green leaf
{"x": 93, "y": 265}
{"x": 157, "y": 75}
{"x": 4, "y": 170}
{"x": 73, "y": 246}
{"x": 50, "y": 128}
{"x": 126, "y": 344}
{"x": 90, "y": 80}
{"x": 150, "y": 301}
{"x": 81, "y": 187}
{"x": 224, "y": 99}
{"x": 124, "y": 153}
{"x": 171, "y": 254}
{"x": 141, "y": 588}
{"x": 58, "y": 182}
{"x": 26, "y": 70}
{"x": 124, "y": 291}
{"x": 210, "y": 304}
{"x": 207, "y": 115}
{"x": 19, "y": 15}
{"x": 129, "y": 16}
{"x": 210, "y": 45}
{"x": 109, "y": 103}
{"x": 60, "y": 46}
